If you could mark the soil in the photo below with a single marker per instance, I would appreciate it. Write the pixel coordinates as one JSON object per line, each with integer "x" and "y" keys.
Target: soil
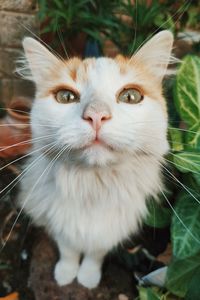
{"x": 116, "y": 281}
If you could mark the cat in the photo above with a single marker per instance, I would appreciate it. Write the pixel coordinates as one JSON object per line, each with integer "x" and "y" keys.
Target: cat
{"x": 99, "y": 128}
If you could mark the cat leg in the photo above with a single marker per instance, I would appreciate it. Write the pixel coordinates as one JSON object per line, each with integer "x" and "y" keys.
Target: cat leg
{"x": 89, "y": 273}
{"x": 67, "y": 267}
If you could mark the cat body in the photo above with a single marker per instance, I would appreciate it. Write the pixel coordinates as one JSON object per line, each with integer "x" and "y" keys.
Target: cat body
{"x": 92, "y": 209}
{"x": 99, "y": 136}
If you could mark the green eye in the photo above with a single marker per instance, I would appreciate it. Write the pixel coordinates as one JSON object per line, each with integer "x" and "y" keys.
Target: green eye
{"x": 66, "y": 96}
{"x": 131, "y": 96}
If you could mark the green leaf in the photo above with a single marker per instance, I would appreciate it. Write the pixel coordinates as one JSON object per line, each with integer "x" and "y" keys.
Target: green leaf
{"x": 155, "y": 293}
{"x": 180, "y": 273}
{"x": 95, "y": 35}
{"x": 5, "y": 266}
{"x": 193, "y": 292}
{"x": 187, "y": 94}
{"x": 187, "y": 98}
{"x": 192, "y": 138}
{"x": 176, "y": 139}
{"x": 158, "y": 216}
{"x": 187, "y": 161}
{"x": 148, "y": 293}
{"x": 197, "y": 178}
{"x": 185, "y": 228}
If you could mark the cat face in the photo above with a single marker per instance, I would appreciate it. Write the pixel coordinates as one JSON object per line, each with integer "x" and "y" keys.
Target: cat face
{"x": 101, "y": 111}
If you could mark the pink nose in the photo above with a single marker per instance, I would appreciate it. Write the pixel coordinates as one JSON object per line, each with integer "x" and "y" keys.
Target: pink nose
{"x": 96, "y": 118}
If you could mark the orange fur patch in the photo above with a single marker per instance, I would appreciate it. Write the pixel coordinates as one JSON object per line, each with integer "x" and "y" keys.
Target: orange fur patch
{"x": 78, "y": 69}
{"x": 72, "y": 66}
{"x": 146, "y": 81}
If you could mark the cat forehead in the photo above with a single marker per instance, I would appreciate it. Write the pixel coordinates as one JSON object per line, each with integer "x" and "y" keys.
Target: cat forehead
{"x": 102, "y": 67}
{"x": 102, "y": 73}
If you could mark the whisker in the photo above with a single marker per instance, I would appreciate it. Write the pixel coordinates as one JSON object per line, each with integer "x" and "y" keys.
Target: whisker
{"x": 26, "y": 170}
{"x": 23, "y": 124}
{"x": 16, "y": 110}
{"x": 173, "y": 176}
{"x": 48, "y": 119}
{"x": 182, "y": 185}
{"x": 178, "y": 217}
{"x": 26, "y": 117}
{"x": 17, "y": 218}
{"x": 62, "y": 42}
{"x": 185, "y": 6}
{"x": 22, "y": 157}
{"x": 46, "y": 45}
{"x": 175, "y": 164}
{"x": 191, "y": 162}
{"x": 171, "y": 179}
{"x": 185, "y": 130}
{"x": 158, "y": 138}
{"x": 135, "y": 29}
{"x": 130, "y": 135}
{"x": 3, "y": 148}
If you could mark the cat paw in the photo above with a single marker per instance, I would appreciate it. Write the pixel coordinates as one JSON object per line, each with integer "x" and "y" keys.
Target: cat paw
{"x": 89, "y": 274}
{"x": 65, "y": 272}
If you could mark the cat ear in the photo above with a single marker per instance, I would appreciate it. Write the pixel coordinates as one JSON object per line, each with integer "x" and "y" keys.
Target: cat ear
{"x": 156, "y": 54}
{"x": 38, "y": 62}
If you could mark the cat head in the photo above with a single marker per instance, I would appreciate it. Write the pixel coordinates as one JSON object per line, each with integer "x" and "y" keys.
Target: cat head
{"x": 100, "y": 111}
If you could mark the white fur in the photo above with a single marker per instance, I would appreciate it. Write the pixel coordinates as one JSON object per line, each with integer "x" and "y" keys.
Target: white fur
{"x": 91, "y": 198}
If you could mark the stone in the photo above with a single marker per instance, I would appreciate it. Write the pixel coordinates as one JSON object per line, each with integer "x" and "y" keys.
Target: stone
{"x": 122, "y": 297}
{"x": 29, "y": 6}
{"x": 19, "y": 26}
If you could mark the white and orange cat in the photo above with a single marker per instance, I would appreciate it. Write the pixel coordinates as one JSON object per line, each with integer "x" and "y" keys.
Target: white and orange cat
{"x": 99, "y": 135}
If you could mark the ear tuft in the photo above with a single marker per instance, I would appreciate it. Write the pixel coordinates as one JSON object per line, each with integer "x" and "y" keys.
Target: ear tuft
{"x": 37, "y": 62}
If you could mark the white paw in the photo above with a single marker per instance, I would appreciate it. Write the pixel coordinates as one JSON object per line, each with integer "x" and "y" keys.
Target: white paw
{"x": 89, "y": 274}
{"x": 65, "y": 272}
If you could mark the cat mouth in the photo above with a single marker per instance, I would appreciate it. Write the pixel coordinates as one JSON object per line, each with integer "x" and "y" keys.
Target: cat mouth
{"x": 98, "y": 142}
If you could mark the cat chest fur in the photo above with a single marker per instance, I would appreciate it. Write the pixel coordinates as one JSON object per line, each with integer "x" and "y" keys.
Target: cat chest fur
{"x": 91, "y": 208}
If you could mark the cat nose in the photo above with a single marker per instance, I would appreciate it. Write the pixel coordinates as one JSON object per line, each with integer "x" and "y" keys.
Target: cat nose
{"x": 96, "y": 118}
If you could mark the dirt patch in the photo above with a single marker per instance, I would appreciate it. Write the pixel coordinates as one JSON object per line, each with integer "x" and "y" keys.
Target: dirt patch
{"x": 117, "y": 282}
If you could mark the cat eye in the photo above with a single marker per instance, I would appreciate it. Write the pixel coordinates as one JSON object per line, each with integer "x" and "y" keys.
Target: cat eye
{"x": 67, "y": 96}
{"x": 130, "y": 95}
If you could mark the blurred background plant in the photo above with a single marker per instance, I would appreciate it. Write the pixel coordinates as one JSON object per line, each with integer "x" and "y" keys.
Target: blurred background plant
{"x": 124, "y": 23}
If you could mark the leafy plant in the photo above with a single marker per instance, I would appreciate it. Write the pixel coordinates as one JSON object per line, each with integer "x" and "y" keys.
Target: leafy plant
{"x": 125, "y": 24}
{"x": 183, "y": 274}
{"x": 96, "y": 18}
{"x": 154, "y": 293}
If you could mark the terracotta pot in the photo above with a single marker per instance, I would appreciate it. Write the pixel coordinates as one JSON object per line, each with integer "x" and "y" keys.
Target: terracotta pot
{"x": 15, "y": 133}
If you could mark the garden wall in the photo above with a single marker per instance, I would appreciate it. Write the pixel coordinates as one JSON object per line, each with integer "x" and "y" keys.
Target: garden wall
{"x": 14, "y": 16}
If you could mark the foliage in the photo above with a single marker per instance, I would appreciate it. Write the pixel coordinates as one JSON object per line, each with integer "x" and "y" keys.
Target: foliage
{"x": 125, "y": 24}
{"x": 184, "y": 270}
{"x": 154, "y": 293}
{"x": 92, "y": 17}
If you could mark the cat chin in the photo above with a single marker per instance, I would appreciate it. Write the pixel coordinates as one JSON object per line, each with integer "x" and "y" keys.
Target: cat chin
{"x": 98, "y": 155}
